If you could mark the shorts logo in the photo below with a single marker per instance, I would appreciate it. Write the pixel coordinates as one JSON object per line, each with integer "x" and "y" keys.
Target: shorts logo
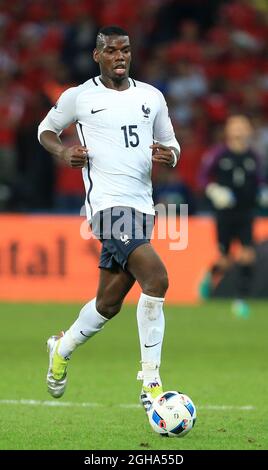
{"x": 124, "y": 238}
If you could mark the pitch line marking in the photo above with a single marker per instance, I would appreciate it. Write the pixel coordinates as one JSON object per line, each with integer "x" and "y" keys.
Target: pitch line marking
{"x": 69, "y": 404}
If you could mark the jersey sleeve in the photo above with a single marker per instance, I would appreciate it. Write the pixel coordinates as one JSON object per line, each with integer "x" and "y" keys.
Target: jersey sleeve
{"x": 163, "y": 129}
{"x": 61, "y": 115}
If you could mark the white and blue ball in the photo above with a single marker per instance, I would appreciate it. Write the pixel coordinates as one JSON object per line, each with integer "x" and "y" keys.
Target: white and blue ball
{"x": 172, "y": 414}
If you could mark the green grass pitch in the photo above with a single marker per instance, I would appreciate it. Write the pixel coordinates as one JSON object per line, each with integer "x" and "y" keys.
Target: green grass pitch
{"x": 218, "y": 360}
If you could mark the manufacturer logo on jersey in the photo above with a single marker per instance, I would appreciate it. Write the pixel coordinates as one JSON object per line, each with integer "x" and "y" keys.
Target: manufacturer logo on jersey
{"x": 94, "y": 111}
{"x": 146, "y": 111}
{"x": 124, "y": 238}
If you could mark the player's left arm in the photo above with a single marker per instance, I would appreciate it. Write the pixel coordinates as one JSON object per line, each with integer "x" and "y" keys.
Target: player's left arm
{"x": 261, "y": 183}
{"x": 166, "y": 149}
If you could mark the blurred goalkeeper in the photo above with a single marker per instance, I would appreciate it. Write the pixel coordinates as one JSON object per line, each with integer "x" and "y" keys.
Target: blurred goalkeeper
{"x": 231, "y": 178}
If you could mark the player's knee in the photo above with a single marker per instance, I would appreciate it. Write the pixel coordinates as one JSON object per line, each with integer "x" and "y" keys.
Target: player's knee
{"x": 157, "y": 284}
{"x": 247, "y": 256}
{"x": 107, "y": 310}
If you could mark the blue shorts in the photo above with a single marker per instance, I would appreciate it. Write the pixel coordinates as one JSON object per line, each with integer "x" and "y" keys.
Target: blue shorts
{"x": 121, "y": 230}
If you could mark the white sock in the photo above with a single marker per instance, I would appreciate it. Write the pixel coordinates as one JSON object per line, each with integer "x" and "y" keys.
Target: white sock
{"x": 151, "y": 326}
{"x": 88, "y": 323}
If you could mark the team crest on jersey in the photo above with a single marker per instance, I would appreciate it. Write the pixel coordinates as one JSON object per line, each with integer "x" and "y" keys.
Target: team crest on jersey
{"x": 146, "y": 110}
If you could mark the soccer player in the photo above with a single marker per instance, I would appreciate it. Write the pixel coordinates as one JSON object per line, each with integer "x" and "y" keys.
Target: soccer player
{"x": 231, "y": 177}
{"x": 123, "y": 126}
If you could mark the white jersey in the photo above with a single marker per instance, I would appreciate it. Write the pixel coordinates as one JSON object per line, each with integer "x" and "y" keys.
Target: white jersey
{"x": 117, "y": 128}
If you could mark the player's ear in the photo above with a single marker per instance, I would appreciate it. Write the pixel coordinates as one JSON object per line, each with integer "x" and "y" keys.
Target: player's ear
{"x": 96, "y": 55}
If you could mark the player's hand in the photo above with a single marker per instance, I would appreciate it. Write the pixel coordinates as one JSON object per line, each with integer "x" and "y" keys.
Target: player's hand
{"x": 262, "y": 197}
{"x": 75, "y": 156}
{"x": 162, "y": 154}
{"x": 221, "y": 197}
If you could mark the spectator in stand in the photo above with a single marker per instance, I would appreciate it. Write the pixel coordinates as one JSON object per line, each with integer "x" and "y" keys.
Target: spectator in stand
{"x": 154, "y": 72}
{"x": 11, "y": 109}
{"x": 193, "y": 149}
{"x": 68, "y": 187}
{"x": 170, "y": 189}
{"x": 78, "y": 41}
{"x": 260, "y": 144}
{"x": 187, "y": 84}
{"x": 231, "y": 179}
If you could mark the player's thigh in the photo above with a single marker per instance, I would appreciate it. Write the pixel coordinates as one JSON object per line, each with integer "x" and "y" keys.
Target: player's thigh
{"x": 245, "y": 229}
{"x": 224, "y": 262}
{"x": 225, "y": 234}
{"x": 247, "y": 255}
{"x": 145, "y": 264}
{"x": 114, "y": 286}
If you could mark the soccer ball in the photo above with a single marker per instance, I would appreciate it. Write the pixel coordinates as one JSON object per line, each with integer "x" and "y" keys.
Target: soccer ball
{"x": 172, "y": 414}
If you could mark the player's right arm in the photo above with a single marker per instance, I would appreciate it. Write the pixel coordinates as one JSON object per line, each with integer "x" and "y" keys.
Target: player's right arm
{"x": 166, "y": 148}
{"x": 57, "y": 119}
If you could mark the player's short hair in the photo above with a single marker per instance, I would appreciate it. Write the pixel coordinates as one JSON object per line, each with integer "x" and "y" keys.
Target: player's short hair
{"x": 109, "y": 31}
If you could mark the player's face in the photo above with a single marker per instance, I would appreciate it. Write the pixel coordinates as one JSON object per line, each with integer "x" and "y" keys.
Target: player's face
{"x": 114, "y": 57}
{"x": 238, "y": 128}
{"x": 238, "y": 132}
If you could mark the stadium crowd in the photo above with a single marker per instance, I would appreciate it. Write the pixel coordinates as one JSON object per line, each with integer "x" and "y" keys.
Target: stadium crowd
{"x": 210, "y": 59}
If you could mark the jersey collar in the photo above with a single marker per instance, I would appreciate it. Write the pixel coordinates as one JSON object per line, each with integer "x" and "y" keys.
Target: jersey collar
{"x": 99, "y": 83}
